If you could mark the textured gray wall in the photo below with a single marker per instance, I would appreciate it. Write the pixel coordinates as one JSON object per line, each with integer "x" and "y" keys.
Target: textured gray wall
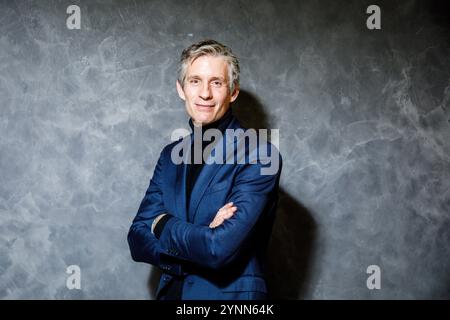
{"x": 364, "y": 125}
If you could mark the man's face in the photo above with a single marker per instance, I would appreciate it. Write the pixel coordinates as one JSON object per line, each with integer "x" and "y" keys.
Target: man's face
{"x": 206, "y": 89}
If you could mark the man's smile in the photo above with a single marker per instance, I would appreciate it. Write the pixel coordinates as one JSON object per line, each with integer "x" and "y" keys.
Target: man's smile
{"x": 204, "y": 107}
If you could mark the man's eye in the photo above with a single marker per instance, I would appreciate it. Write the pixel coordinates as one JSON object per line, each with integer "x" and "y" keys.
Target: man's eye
{"x": 194, "y": 81}
{"x": 217, "y": 83}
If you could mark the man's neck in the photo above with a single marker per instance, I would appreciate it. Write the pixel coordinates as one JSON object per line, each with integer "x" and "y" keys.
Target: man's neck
{"x": 218, "y": 124}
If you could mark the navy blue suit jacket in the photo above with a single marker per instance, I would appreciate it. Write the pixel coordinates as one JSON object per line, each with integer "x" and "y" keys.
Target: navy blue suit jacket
{"x": 226, "y": 262}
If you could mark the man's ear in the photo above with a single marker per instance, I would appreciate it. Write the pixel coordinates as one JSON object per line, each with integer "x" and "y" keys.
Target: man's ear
{"x": 235, "y": 93}
{"x": 180, "y": 91}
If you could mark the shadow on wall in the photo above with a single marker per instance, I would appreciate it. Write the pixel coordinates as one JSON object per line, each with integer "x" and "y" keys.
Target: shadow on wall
{"x": 290, "y": 249}
{"x": 292, "y": 242}
{"x": 291, "y": 245}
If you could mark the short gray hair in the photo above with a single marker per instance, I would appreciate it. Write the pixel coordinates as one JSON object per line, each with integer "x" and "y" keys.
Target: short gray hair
{"x": 210, "y": 48}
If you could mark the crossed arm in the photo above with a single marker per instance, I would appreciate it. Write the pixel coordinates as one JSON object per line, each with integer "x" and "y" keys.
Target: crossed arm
{"x": 209, "y": 246}
{"x": 222, "y": 214}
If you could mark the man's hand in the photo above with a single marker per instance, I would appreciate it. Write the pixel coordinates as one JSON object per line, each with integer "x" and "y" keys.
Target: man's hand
{"x": 226, "y": 212}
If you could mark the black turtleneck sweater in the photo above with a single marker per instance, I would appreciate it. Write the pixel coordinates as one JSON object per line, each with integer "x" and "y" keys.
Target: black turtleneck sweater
{"x": 175, "y": 287}
{"x": 193, "y": 170}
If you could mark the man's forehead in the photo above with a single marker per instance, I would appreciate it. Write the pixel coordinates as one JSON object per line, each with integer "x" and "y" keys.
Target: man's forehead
{"x": 208, "y": 64}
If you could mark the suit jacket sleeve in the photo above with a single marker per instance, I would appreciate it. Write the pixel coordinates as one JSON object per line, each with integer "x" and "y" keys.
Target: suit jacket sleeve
{"x": 144, "y": 246}
{"x": 217, "y": 247}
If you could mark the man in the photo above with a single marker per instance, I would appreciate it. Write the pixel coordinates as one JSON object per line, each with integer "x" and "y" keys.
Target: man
{"x": 207, "y": 225}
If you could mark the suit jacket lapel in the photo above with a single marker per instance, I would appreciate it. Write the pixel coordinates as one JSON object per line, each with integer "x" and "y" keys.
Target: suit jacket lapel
{"x": 180, "y": 184}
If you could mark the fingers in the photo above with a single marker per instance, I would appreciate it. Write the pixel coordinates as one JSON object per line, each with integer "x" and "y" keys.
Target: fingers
{"x": 229, "y": 212}
{"x": 213, "y": 225}
{"x": 229, "y": 204}
{"x": 224, "y": 213}
{"x": 225, "y": 209}
{"x": 218, "y": 220}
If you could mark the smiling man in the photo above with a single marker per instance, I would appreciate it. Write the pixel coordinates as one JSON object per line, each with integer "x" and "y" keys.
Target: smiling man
{"x": 208, "y": 88}
{"x": 207, "y": 226}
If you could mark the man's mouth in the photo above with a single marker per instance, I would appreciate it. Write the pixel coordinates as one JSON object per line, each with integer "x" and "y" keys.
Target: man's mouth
{"x": 204, "y": 106}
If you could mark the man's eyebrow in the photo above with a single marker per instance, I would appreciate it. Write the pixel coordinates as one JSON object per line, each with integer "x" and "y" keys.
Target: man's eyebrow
{"x": 210, "y": 79}
{"x": 217, "y": 78}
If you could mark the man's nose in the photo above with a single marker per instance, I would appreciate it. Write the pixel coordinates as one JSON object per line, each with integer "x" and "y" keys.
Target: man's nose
{"x": 205, "y": 93}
